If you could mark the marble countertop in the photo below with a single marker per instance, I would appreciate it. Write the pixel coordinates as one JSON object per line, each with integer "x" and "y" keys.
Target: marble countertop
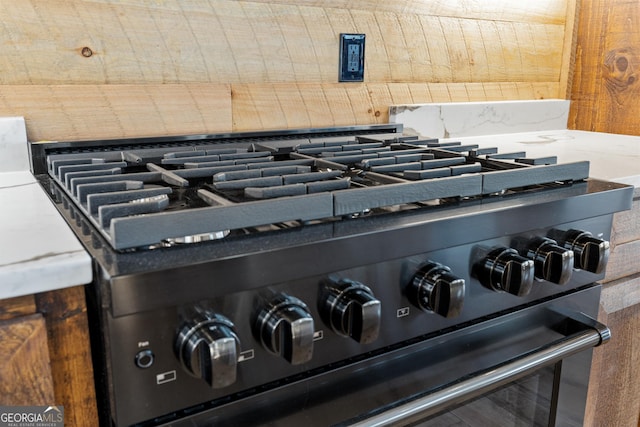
{"x": 611, "y": 157}
{"x": 38, "y": 251}
{"x": 538, "y": 127}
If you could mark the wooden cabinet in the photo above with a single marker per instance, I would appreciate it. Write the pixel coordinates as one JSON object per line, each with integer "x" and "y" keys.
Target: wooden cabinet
{"x": 25, "y": 373}
{"x": 46, "y": 356}
{"x": 614, "y": 388}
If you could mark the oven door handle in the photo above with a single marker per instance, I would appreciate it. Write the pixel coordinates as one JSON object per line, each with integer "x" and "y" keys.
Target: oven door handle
{"x": 593, "y": 334}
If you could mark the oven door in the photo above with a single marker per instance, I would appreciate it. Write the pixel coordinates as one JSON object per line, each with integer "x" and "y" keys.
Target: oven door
{"x": 525, "y": 367}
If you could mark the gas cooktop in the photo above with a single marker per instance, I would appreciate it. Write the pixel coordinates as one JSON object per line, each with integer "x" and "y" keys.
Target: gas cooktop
{"x": 158, "y": 192}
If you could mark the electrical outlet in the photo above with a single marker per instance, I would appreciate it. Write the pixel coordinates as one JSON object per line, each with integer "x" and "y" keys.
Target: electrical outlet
{"x": 351, "y": 58}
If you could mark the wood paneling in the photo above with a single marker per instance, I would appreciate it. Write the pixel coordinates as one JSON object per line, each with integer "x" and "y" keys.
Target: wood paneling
{"x": 614, "y": 387}
{"x": 95, "y": 42}
{"x": 273, "y": 106}
{"x": 623, "y": 261}
{"x": 67, "y": 328}
{"x": 621, "y": 294}
{"x": 604, "y": 98}
{"x": 75, "y": 112}
{"x": 569, "y": 49}
{"x": 103, "y": 68}
{"x": 46, "y": 357}
{"x": 499, "y": 10}
{"x": 626, "y": 225}
{"x": 605, "y": 87}
{"x": 625, "y": 244}
{"x": 18, "y": 306}
{"x": 25, "y": 375}
{"x": 65, "y": 112}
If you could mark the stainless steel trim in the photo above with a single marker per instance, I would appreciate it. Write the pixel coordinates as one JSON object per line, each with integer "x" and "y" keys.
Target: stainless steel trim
{"x": 459, "y": 392}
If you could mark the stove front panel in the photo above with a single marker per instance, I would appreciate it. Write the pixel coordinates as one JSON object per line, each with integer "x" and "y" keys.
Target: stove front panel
{"x": 148, "y": 380}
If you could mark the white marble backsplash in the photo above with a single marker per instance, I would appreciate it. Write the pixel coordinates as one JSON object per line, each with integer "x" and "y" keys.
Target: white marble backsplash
{"x": 460, "y": 119}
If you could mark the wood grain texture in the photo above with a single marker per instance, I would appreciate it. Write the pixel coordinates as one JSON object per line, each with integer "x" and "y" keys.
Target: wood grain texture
{"x": 77, "y": 112}
{"x": 109, "y": 69}
{"x": 274, "y": 106}
{"x": 604, "y": 97}
{"x": 18, "y": 306}
{"x": 621, "y": 294}
{"x": 25, "y": 374}
{"x": 72, "y": 112}
{"x": 605, "y": 87}
{"x": 499, "y": 10}
{"x": 624, "y": 260}
{"x": 569, "y": 48}
{"x": 614, "y": 393}
{"x": 626, "y": 225}
{"x": 107, "y": 42}
{"x": 67, "y": 329}
{"x": 614, "y": 389}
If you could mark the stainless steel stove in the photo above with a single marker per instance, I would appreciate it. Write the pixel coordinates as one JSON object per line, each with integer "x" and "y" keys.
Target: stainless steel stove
{"x": 330, "y": 276}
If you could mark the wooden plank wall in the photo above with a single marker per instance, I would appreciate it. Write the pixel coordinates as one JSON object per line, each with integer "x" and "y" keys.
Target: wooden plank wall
{"x": 108, "y": 68}
{"x": 605, "y": 88}
{"x": 604, "y": 98}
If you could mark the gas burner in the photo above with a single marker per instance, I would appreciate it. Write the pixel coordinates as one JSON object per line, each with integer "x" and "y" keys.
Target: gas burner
{"x": 145, "y": 196}
{"x": 198, "y": 238}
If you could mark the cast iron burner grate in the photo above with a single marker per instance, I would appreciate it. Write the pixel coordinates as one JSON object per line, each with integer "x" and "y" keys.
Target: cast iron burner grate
{"x": 144, "y": 196}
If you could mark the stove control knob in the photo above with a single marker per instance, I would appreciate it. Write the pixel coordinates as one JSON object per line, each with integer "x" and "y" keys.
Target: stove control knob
{"x": 208, "y": 348}
{"x": 591, "y": 253}
{"x": 350, "y": 309}
{"x": 285, "y": 327}
{"x": 552, "y": 263}
{"x": 504, "y": 270}
{"x": 435, "y": 289}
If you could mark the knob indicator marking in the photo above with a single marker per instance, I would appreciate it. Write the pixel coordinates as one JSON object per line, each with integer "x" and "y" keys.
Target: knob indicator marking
{"x": 591, "y": 253}
{"x": 552, "y": 262}
{"x": 435, "y": 289}
{"x": 285, "y": 328}
{"x": 208, "y": 348}
{"x": 504, "y": 270}
{"x": 351, "y": 310}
